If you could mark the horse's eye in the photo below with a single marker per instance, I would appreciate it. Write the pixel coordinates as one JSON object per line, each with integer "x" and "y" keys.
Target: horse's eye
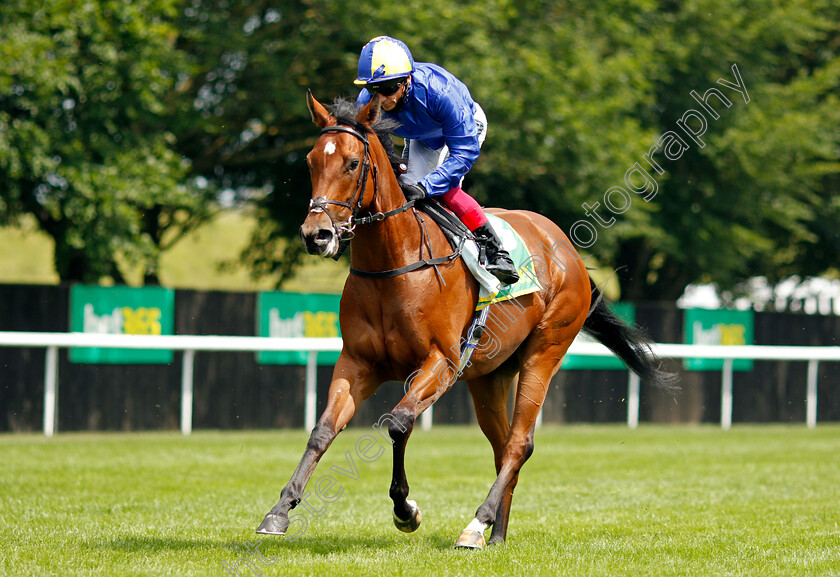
{"x": 353, "y": 164}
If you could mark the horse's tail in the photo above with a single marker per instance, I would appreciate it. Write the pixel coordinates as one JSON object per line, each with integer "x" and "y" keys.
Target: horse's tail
{"x": 630, "y": 344}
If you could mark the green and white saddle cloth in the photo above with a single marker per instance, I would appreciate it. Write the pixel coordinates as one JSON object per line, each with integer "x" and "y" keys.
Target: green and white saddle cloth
{"x": 491, "y": 290}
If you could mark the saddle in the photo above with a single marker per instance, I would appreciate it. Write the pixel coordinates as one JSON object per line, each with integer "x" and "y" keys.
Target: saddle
{"x": 463, "y": 243}
{"x": 456, "y": 232}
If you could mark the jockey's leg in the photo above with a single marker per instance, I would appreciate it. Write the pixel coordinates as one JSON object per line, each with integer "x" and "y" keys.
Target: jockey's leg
{"x": 465, "y": 207}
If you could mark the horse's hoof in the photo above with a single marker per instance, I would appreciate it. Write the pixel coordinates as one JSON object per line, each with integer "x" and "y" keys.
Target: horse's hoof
{"x": 409, "y": 525}
{"x": 273, "y": 525}
{"x": 470, "y": 539}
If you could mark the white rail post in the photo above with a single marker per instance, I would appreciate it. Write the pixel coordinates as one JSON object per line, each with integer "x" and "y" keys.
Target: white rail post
{"x": 187, "y": 392}
{"x": 426, "y": 419}
{"x": 813, "y": 372}
{"x": 633, "y": 386}
{"x": 311, "y": 403}
{"x": 51, "y": 391}
{"x": 726, "y": 396}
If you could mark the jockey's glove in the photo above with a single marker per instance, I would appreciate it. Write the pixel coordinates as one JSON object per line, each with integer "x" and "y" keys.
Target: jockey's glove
{"x": 414, "y": 191}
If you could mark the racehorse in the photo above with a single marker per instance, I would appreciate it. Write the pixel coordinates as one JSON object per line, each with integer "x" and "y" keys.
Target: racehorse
{"x": 404, "y": 314}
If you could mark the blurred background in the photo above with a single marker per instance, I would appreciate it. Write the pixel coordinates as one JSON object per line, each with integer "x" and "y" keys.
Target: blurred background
{"x": 162, "y": 142}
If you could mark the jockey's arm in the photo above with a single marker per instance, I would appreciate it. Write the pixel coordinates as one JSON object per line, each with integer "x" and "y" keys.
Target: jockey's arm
{"x": 460, "y": 134}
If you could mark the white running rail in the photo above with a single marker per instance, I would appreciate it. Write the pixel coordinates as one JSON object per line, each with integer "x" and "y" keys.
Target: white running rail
{"x": 190, "y": 344}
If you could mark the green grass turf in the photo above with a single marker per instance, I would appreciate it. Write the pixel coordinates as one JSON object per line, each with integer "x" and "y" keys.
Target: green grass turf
{"x": 599, "y": 500}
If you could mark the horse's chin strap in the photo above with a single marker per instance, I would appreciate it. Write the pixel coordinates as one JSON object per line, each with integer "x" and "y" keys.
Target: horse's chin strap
{"x": 345, "y": 231}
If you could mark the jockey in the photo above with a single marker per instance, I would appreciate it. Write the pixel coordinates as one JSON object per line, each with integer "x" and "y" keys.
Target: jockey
{"x": 443, "y": 130}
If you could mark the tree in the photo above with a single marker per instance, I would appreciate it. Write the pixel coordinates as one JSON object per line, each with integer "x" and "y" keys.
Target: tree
{"x": 576, "y": 96}
{"x": 583, "y": 93}
{"x": 255, "y": 61}
{"x": 110, "y": 120}
{"x": 86, "y": 102}
{"x": 755, "y": 200}
{"x": 259, "y": 58}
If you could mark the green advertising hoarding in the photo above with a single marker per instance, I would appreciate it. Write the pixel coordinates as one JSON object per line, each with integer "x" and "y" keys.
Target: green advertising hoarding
{"x": 627, "y": 313}
{"x": 717, "y": 327}
{"x": 121, "y": 311}
{"x": 297, "y": 315}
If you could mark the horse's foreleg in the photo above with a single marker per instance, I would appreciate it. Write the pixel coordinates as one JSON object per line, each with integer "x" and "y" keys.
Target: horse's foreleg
{"x": 276, "y": 521}
{"x": 351, "y": 385}
{"x": 423, "y": 388}
{"x": 407, "y": 514}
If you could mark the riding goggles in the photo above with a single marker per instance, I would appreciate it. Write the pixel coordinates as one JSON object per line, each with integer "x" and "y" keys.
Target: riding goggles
{"x": 385, "y": 88}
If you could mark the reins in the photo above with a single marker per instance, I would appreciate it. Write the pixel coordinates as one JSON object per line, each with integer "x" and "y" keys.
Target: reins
{"x": 345, "y": 231}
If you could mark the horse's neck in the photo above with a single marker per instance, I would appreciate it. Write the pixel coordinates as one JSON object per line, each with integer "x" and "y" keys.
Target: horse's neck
{"x": 390, "y": 243}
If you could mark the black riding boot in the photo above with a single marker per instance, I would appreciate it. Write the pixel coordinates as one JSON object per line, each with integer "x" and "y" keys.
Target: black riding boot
{"x": 499, "y": 263}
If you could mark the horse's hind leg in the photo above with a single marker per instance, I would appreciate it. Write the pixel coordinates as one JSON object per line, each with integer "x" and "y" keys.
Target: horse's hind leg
{"x": 541, "y": 362}
{"x": 489, "y": 395}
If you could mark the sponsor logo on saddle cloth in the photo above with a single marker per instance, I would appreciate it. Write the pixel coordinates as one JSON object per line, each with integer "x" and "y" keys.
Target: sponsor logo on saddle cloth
{"x": 491, "y": 291}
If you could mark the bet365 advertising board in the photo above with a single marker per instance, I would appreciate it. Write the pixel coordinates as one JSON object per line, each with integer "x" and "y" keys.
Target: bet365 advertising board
{"x": 297, "y": 315}
{"x": 718, "y": 327}
{"x": 627, "y": 313}
{"x": 121, "y": 311}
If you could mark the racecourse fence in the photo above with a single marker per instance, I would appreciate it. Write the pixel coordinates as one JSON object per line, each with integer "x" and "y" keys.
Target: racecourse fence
{"x": 232, "y": 390}
{"x": 189, "y": 345}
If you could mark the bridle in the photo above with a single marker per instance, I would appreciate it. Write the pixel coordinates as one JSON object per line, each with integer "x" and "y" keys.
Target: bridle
{"x": 344, "y": 231}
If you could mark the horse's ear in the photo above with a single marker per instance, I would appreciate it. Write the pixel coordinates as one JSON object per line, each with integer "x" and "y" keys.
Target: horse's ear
{"x": 369, "y": 114}
{"x": 320, "y": 115}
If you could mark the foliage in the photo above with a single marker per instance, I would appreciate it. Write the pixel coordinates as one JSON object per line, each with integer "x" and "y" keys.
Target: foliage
{"x": 253, "y": 60}
{"x": 85, "y": 145}
{"x": 212, "y": 92}
{"x": 752, "y": 202}
{"x": 575, "y": 96}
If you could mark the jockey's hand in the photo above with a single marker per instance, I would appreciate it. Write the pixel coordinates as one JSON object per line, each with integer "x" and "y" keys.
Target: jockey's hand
{"x": 414, "y": 191}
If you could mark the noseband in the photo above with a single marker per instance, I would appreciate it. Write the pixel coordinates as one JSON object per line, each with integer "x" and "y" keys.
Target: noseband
{"x": 344, "y": 231}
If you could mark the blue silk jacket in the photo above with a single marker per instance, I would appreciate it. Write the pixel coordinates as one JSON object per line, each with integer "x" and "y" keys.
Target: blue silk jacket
{"x": 438, "y": 111}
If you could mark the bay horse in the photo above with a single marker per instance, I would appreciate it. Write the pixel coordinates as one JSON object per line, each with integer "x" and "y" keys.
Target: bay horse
{"x": 404, "y": 318}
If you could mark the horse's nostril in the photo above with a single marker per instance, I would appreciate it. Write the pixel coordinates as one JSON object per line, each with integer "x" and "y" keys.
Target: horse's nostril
{"x": 324, "y": 235}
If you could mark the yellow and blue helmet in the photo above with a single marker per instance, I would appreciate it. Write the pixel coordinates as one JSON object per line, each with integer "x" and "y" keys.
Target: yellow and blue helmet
{"x": 384, "y": 58}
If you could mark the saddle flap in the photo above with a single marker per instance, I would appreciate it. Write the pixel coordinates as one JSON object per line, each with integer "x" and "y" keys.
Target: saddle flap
{"x": 449, "y": 223}
{"x": 455, "y": 231}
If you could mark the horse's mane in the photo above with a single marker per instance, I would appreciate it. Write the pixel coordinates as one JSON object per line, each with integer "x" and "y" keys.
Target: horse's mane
{"x": 344, "y": 110}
